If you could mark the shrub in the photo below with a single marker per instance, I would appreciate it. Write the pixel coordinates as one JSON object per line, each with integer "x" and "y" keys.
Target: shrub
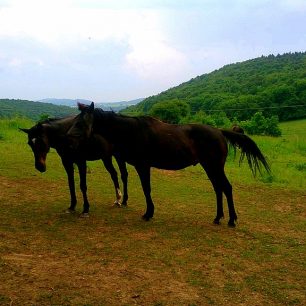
{"x": 199, "y": 117}
{"x": 260, "y": 125}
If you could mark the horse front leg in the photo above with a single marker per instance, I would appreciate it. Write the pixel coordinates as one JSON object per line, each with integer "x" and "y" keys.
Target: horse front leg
{"x": 124, "y": 178}
{"x": 113, "y": 173}
{"x": 83, "y": 186}
{"x": 68, "y": 165}
{"x": 144, "y": 174}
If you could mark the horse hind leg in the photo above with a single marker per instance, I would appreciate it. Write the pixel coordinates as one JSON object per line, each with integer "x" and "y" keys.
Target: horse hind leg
{"x": 144, "y": 175}
{"x": 220, "y": 213}
{"x": 213, "y": 177}
{"x": 227, "y": 189}
{"x": 221, "y": 185}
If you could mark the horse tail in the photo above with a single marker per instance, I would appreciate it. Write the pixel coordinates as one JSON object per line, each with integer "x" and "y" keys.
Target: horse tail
{"x": 248, "y": 148}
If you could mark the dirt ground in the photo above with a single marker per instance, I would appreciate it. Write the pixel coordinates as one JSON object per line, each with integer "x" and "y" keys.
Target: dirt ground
{"x": 114, "y": 258}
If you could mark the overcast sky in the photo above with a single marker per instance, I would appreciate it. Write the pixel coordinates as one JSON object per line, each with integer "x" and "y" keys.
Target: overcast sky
{"x": 122, "y": 50}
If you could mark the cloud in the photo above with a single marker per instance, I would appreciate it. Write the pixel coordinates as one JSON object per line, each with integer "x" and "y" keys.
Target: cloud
{"x": 156, "y": 60}
{"x": 104, "y": 49}
{"x": 151, "y": 55}
{"x": 63, "y": 28}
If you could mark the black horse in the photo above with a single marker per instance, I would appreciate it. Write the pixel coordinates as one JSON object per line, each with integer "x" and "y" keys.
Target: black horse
{"x": 146, "y": 142}
{"x": 52, "y": 133}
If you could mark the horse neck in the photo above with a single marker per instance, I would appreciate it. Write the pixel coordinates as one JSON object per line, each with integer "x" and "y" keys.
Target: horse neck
{"x": 112, "y": 126}
{"x": 56, "y": 130}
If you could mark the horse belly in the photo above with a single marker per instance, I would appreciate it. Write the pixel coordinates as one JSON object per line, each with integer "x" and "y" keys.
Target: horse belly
{"x": 174, "y": 160}
{"x": 94, "y": 150}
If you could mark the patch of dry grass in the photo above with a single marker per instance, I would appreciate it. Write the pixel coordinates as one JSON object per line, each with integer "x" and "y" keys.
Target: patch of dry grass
{"x": 179, "y": 258}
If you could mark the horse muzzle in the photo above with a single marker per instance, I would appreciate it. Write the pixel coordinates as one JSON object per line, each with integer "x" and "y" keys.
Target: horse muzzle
{"x": 41, "y": 167}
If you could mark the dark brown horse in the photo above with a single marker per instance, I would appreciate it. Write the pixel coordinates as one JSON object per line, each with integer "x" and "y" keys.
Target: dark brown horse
{"x": 145, "y": 142}
{"x": 52, "y": 133}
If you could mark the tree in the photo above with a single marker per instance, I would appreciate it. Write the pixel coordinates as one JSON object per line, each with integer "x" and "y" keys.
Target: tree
{"x": 171, "y": 111}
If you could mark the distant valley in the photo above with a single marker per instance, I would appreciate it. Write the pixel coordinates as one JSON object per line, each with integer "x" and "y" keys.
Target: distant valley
{"x": 35, "y": 110}
{"x": 114, "y": 106}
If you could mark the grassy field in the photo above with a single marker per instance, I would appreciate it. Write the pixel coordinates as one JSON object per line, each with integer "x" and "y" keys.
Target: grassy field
{"x": 179, "y": 258}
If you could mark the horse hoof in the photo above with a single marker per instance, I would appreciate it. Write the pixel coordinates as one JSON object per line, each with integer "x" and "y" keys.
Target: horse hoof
{"x": 84, "y": 215}
{"x": 146, "y": 217}
{"x": 117, "y": 204}
{"x": 231, "y": 224}
{"x": 217, "y": 222}
{"x": 69, "y": 211}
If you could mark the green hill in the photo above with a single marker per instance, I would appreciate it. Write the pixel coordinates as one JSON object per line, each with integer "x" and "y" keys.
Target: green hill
{"x": 275, "y": 85}
{"x": 33, "y": 110}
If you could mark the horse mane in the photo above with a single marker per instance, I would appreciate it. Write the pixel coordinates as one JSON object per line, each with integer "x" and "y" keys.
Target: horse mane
{"x": 99, "y": 112}
{"x": 53, "y": 122}
{"x": 46, "y": 121}
{"x": 140, "y": 121}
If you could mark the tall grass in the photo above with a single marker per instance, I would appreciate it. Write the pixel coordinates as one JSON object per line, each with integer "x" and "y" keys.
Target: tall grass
{"x": 9, "y": 129}
{"x": 286, "y": 155}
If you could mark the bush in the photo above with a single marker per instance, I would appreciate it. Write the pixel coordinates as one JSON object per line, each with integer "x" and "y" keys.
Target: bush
{"x": 260, "y": 125}
{"x": 199, "y": 117}
{"x": 218, "y": 119}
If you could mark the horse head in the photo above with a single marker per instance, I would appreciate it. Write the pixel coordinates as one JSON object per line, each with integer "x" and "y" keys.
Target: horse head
{"x": 82, "y": 125}
{"x": 39, "y": 143}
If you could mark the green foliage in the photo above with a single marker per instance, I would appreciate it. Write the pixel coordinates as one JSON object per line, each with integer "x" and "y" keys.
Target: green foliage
{"x": 170, "y": 111}
{"x": 273, "y": 84}
{"x": 43, "y": 117}
{"x": 218, "y": 119}
{"x": 260, "y": 125}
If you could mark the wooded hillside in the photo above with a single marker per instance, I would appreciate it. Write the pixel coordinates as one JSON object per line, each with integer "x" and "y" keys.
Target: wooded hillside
{"x": 275, "y": 85}
{"x": 33, "y": 110}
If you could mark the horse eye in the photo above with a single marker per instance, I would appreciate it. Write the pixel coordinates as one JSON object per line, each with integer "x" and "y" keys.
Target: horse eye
{"x": 31, "y": 142}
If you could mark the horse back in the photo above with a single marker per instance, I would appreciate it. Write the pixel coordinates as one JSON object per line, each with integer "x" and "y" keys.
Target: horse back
{"x": 171, "y": 146}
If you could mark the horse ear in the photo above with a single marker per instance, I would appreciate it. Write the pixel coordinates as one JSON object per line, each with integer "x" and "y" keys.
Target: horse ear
{"x": 24, "y": 130}
{"x": 92, "y": 107}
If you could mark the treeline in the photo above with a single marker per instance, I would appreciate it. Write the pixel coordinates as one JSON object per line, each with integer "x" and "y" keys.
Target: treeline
{"x": 33, "y": 110}
{"x": 272, "y": 85}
